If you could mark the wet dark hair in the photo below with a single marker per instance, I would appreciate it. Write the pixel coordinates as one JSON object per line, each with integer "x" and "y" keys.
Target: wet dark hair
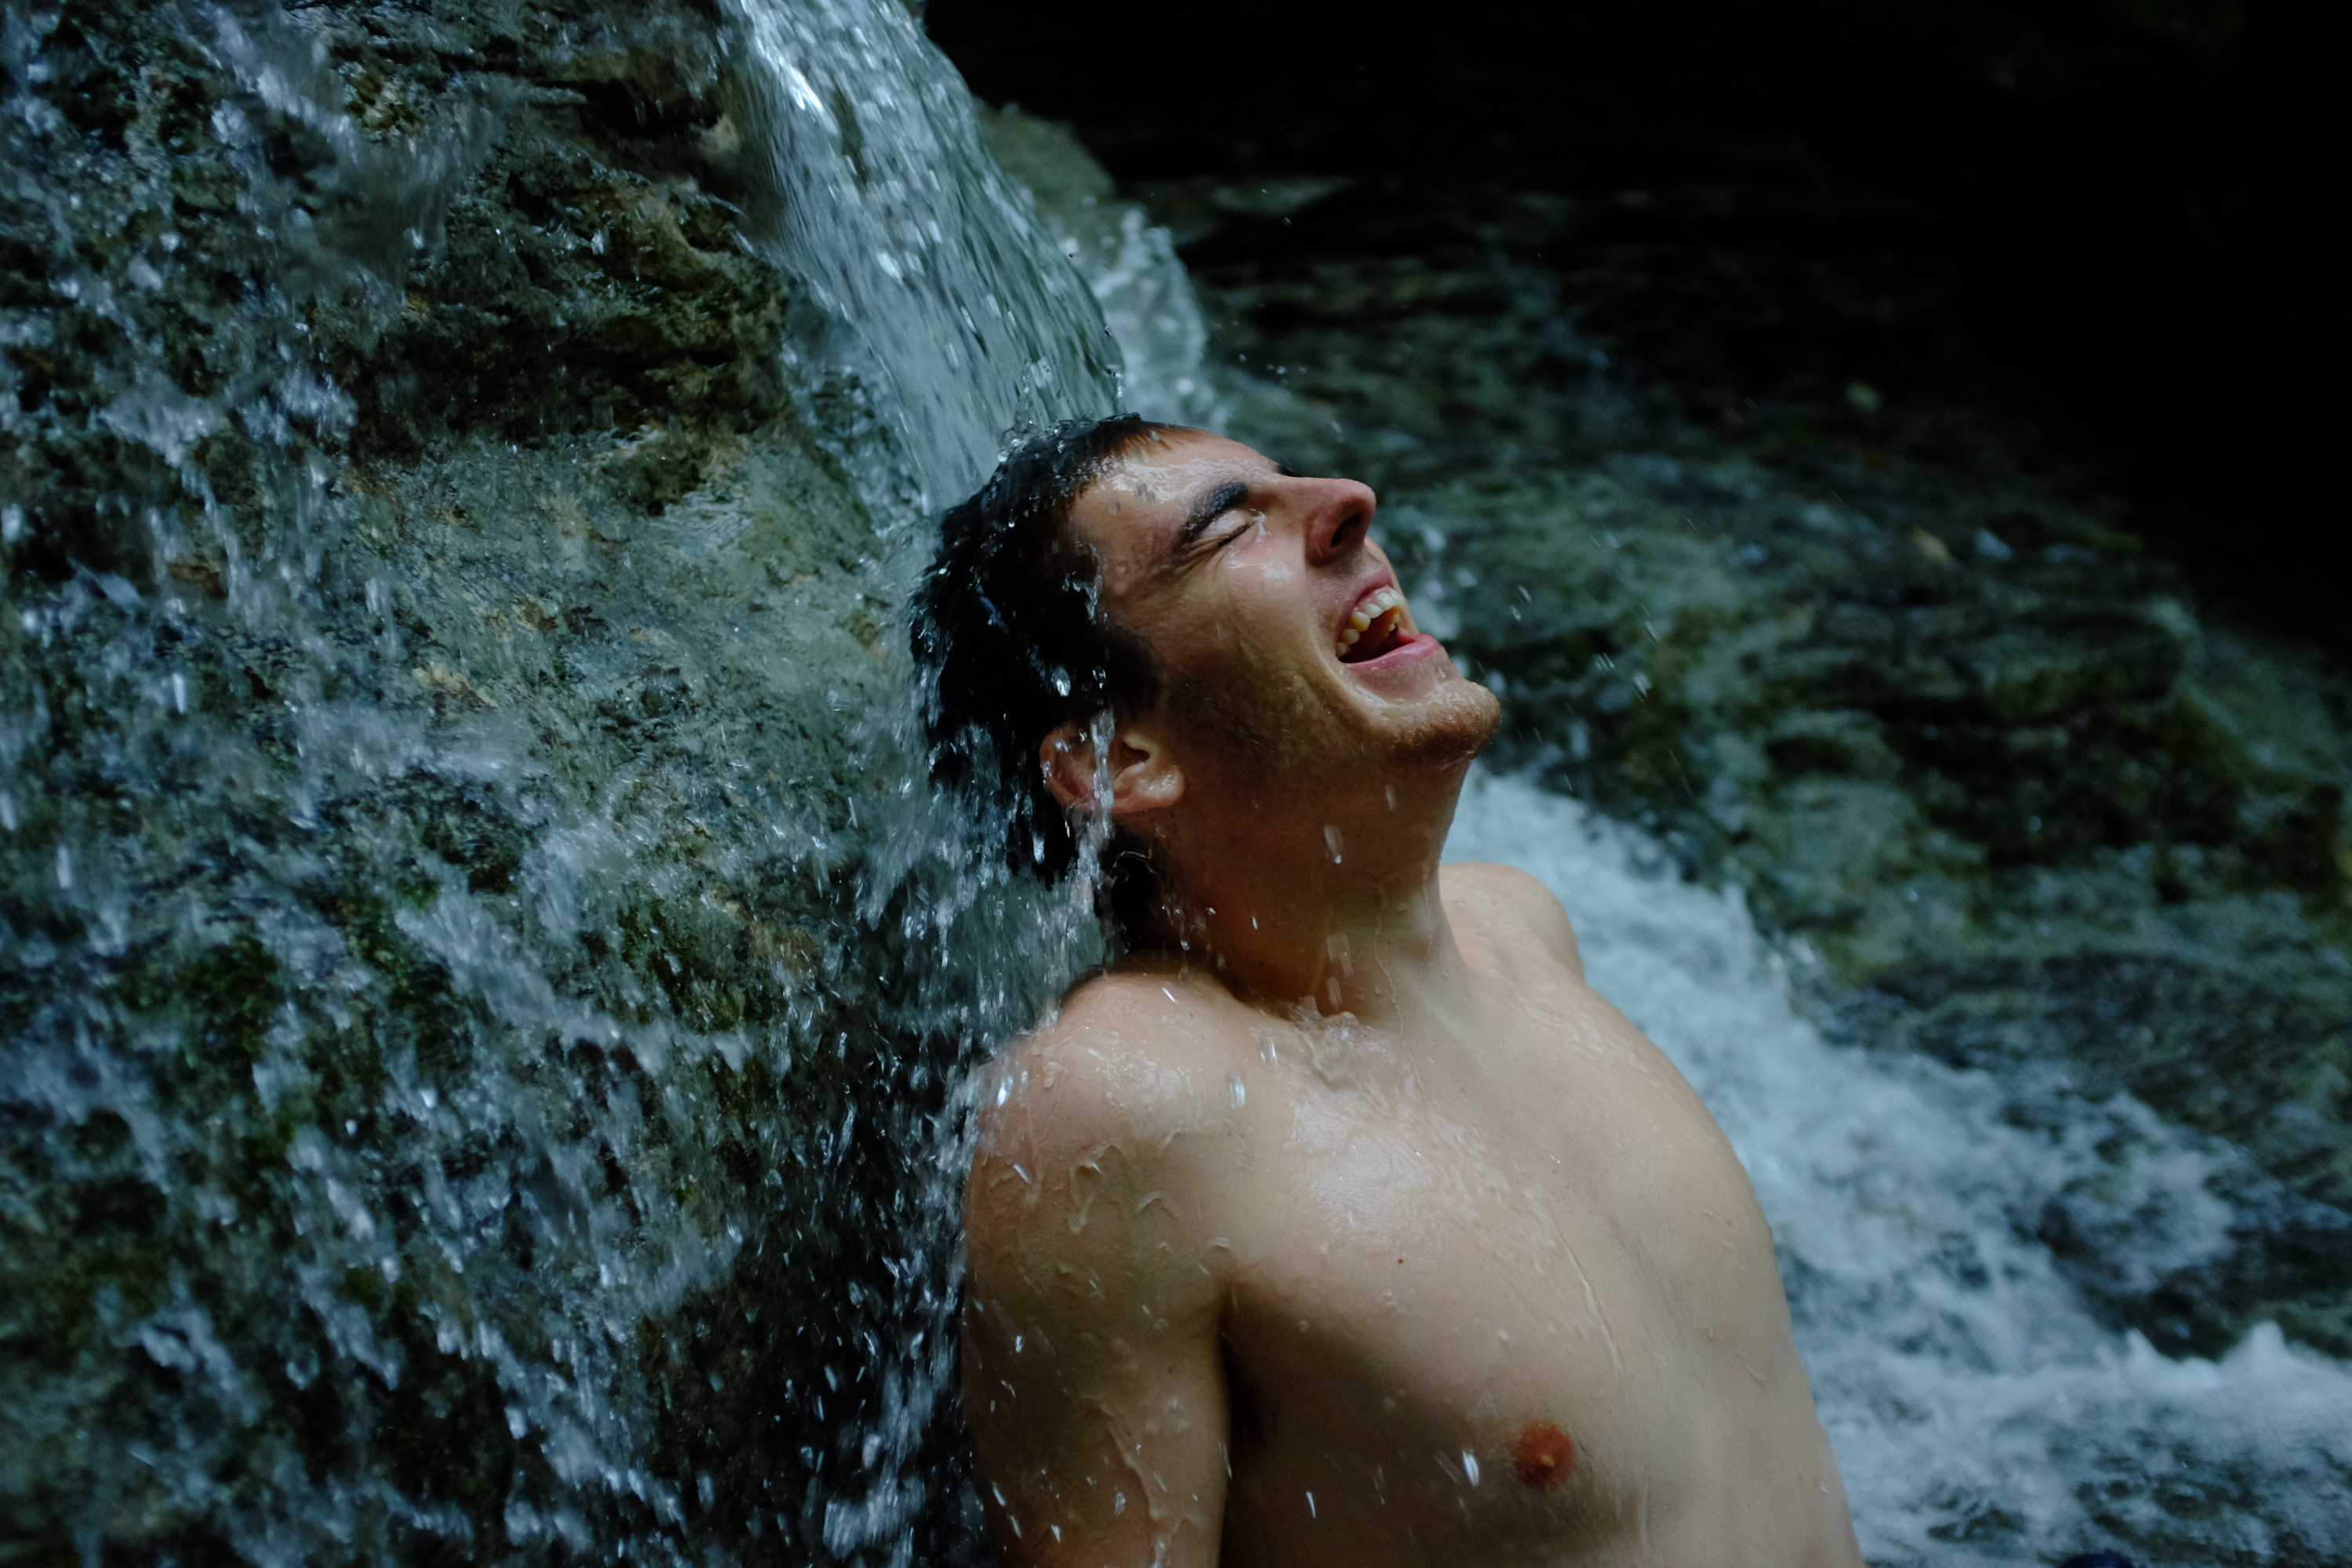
{"x": 1012, "y": 641}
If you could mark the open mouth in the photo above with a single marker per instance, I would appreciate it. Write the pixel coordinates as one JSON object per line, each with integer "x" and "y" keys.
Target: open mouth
{"x": 1377, "y": 626}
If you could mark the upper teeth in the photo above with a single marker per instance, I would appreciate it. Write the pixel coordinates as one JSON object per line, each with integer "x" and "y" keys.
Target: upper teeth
{"x": 1380, "y": 603}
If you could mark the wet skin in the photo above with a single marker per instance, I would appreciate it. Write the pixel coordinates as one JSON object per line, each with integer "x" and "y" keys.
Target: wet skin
{"x": 1350, "y": 1226}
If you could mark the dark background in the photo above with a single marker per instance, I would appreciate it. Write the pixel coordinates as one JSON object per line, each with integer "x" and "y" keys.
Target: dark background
{"x": 2107, "y": 223}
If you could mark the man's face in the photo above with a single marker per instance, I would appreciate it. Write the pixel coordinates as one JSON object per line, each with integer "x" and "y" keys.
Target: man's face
{"x": 1248, "y": 582}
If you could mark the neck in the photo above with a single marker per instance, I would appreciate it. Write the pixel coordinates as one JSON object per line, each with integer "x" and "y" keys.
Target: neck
{"x": 1339, "y": 904}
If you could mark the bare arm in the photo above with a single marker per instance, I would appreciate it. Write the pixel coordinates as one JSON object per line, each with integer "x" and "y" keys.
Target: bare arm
{"x": 1091, "y": 1373}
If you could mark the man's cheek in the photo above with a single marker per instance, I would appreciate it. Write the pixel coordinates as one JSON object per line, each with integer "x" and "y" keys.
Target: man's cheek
{"x": 1244, "y": 654}
{"x": 1263, "y": 570}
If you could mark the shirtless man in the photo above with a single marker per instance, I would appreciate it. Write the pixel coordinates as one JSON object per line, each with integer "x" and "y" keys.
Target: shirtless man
{"x": 1338, "y": 1221}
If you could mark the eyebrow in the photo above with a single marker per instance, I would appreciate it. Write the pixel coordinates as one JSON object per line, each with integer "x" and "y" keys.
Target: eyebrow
{"x": 1207, "y": 510}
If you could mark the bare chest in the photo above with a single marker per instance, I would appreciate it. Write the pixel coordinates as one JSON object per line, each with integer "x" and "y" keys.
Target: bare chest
{"x": 1505, "y": 1303}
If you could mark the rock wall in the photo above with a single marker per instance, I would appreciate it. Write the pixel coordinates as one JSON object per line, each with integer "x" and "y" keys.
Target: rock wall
{"x": 454, "y": 1103}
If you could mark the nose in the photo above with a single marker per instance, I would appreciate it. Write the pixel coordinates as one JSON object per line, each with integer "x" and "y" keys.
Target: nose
{"x": 1339, "y": 519}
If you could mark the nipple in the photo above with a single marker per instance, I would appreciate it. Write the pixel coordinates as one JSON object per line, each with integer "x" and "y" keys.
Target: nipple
{"x": 1543, "y": 1456}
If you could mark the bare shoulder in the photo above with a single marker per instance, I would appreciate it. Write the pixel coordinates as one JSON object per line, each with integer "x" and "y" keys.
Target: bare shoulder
{"x": 1503, "y": 906}
{"x": 1130, "y": 1072}
{"x": 1126, "y": 1053}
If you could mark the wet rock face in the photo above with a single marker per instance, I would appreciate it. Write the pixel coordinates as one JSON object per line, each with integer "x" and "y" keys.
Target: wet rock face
{"x": 1939, "y": 717}
{"x": 510, "y": 225}
{"x": 429, "y": 828}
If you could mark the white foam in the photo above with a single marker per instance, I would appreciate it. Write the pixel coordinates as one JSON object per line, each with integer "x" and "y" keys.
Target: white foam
{"x": 1980, "y": 1411}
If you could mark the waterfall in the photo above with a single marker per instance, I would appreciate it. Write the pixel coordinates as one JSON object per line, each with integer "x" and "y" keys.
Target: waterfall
{"x": 486, "y": 989}
{"x": 935, "y": 276}
{"x": 487, "y": 993}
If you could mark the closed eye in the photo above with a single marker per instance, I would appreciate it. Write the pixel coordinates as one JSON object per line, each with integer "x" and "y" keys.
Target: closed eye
{"x": 1210, "y": 510}
{"x": 1253, "y": 521}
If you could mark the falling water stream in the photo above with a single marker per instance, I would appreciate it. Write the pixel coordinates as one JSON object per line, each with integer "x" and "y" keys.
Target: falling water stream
{"x": 487, "y": 990}
{"x": 934, "y": 275}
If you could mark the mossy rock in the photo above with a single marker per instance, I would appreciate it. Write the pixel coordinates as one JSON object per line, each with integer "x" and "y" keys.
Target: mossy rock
{"x": 454, "y": 1106}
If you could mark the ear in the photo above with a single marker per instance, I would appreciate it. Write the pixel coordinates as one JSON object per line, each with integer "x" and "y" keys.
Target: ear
{"x": 1143, "y": 776}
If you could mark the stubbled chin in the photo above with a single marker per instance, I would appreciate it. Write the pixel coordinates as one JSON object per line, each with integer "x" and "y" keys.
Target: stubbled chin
{"x": 1453, "y": 723}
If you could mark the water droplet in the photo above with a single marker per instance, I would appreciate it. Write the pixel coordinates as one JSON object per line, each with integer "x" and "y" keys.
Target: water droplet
{"x": 1470, "y": 1465}
{"x": 1236, "y": 1091}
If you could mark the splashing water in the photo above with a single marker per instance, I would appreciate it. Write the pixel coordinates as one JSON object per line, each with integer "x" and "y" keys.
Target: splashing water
{"x": 1129, "y": 262}
{"x": 484, "y": 1001}
{"x": 963, "y": 320}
